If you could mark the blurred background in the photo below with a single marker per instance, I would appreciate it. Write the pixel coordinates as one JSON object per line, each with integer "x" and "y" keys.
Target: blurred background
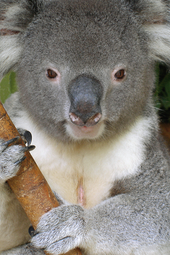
{"x": 161, "y": 94}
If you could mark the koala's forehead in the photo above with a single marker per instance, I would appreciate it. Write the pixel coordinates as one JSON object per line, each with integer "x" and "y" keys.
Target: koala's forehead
{"x": 86, "y": 32}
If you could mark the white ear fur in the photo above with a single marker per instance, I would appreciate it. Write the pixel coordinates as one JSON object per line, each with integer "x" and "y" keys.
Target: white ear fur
{"x": 10, "y": 16}
{"x": 10, "y": 48}
{"x": 157, "y": 26}
{"x": 159, "y": 41}
{"x": 14, "y": 18}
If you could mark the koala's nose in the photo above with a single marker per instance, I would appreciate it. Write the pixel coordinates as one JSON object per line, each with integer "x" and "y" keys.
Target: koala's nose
{"x": 85, "y": 93}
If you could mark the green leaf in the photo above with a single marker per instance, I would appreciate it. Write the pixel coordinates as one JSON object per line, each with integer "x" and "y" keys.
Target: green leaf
{"x": 7, "y": 86}
{"x": 4, "y": 88}
{"x": 13, "y": 84}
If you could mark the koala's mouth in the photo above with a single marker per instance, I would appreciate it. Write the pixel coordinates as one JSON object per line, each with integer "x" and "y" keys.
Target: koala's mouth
{"x": 85, "y": 132}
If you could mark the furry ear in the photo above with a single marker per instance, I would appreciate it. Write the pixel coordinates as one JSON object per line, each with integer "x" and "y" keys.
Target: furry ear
{"x": 155, "y": 18}
{"x": 15, "y": 15}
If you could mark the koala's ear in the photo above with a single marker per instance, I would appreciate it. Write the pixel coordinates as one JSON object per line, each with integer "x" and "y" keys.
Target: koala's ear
{"x": 15, "y": 15}
{"x": 155, "y": 18}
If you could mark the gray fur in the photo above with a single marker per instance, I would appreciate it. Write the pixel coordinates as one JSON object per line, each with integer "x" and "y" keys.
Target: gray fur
{"x": 27, "y": 249}
{"x": 91, "y": 37}
{"x": 8, "y": 168}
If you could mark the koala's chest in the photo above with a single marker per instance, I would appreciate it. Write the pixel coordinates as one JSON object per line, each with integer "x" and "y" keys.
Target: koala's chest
{"x": 79, "y": 177}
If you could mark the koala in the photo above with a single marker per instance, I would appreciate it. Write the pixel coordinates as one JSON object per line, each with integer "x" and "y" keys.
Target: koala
{"x": 86, "y": 73}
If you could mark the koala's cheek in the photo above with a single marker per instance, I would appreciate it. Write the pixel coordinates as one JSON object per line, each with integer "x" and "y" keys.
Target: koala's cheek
{"x": 84, "y": 132}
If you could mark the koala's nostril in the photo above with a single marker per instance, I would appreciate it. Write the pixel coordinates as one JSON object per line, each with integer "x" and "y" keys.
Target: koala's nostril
{"x": 90, "y": 122}
{"x": 94, "y": 119}
{"x": 75, "y": 119}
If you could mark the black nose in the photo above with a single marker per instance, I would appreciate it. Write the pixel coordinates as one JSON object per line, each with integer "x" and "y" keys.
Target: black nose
{"x": 85, "y": 93}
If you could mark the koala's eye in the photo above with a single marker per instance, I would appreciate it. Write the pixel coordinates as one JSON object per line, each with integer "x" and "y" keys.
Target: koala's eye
{"x": 51, "y": 74}
{"x": 119, "y": 75}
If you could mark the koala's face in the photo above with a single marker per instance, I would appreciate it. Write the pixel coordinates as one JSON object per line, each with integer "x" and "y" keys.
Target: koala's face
{"x": 84, "y": 72}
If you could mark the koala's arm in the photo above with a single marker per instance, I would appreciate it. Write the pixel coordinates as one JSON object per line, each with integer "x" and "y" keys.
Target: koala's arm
{"x": 125, "y": 224}
{"x": 14, "y": 223}
{"x": 120, "y": 224}
{"x": 132, "y": 222}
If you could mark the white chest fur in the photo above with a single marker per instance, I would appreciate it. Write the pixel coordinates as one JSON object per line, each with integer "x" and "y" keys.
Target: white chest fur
{"x": 84, "y": 173}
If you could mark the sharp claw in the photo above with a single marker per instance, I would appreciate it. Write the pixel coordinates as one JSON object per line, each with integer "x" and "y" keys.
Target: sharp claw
{"x": 11, "y": 141}
{"x": 20, "y": 161}
{"x": 31, "y": 231}
{"x": 28, "y": 137}
{"x": 30, "y": 148}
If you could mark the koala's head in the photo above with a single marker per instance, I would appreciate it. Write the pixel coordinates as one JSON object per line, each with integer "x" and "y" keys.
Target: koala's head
{"x": 85, "y": 69}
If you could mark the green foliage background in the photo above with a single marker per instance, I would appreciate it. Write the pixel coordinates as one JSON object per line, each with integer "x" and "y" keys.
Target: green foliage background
{"x": 162, "y": 90}
{"x": 7, "y": 86}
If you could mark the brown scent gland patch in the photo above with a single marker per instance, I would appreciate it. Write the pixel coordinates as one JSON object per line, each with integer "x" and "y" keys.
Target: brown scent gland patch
{"x": 81, "y": 199}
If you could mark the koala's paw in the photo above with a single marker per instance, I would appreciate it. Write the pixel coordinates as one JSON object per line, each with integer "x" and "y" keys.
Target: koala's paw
{"x": 11, "y": 155}
{"x": 60, "y": 230}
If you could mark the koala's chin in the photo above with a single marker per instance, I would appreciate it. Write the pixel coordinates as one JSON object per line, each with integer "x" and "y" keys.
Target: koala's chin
{"x": 83, "y": 132}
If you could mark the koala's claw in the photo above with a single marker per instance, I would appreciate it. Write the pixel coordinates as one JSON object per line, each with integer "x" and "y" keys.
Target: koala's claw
{"x": 31, "y": 231}
{"x": 30, "y": 148}
{"x": 7, "y": 143}
{"x": 20, "y": 161}
{"x": 26, "y": 136}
